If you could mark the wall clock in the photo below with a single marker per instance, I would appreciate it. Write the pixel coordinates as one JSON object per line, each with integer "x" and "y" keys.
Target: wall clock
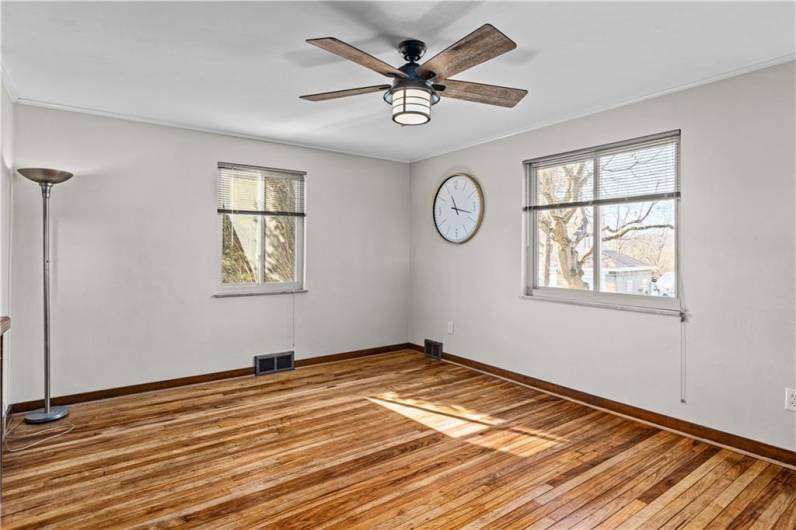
{"x": 458, "y": 208}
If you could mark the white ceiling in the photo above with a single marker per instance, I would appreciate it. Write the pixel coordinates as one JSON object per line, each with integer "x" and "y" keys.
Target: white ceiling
{"x": 240, "y": 67}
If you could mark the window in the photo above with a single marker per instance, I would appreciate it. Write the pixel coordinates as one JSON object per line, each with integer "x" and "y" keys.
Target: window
{"x": 261, "y": 211}
{"x": 602, "y": 223}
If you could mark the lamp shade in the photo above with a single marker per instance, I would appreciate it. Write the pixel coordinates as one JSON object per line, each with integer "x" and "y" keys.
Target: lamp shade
{"x": 45, "y": 175}
{"x": 411, "y": 105}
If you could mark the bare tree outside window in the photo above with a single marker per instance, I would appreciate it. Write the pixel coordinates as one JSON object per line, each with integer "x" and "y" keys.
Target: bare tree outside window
{"x": 280, "y": 232}
{"x": 636, "y": 238}
{"x": 237, "y": 266}
{"x": 262, "y": 222}
{"x": 565, "y": 236}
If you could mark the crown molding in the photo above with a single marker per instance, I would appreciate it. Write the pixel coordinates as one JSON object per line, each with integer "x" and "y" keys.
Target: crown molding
{"x": 8, "y": 84}
{"x": 176, "y": 125}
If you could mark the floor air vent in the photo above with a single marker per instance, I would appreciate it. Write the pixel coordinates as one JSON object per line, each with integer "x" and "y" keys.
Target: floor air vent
{"x": 433, "y": 349}
{"x": 273, "y": 362}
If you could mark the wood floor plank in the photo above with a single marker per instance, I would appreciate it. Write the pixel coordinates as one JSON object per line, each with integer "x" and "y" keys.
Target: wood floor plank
{"x": 787, "y": 519}
{"x": 389, "y": 441}
{"x": 767, "y": 497}
{"x": 740, "y": 502}
{"x": 567, "y": 497}
{"x": 719, "y": 503}
{"x": 614, "y": 500}
{"x": 682, "y": 509}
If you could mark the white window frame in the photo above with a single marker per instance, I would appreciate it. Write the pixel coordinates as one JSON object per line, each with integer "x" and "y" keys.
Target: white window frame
{"x": 633, "y": 302}
{"x": 223, "y": 290}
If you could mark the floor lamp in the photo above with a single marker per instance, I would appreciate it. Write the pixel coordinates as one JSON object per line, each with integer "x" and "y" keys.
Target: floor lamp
{"x": 46, "y": 178}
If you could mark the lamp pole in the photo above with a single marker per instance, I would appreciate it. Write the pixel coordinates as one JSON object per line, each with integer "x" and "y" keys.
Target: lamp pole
{"x": 46, "y": 178}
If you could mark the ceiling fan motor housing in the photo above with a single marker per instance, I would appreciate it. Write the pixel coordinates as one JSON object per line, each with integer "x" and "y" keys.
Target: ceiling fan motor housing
{"x": 412, "y": 50}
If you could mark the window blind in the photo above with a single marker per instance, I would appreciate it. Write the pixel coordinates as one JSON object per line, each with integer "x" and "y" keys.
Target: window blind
{"x": 645, "y": 169}
{"x": 256, "y": 190}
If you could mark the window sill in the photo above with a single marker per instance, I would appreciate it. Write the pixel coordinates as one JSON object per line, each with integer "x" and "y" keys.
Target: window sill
{"x": 231, "y": 294}
{"x": 673, "y": 312}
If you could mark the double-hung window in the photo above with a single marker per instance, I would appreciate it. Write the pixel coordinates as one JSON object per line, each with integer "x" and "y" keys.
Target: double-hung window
{"x": 602, "y": 223}
{"x": 261, "y": 211}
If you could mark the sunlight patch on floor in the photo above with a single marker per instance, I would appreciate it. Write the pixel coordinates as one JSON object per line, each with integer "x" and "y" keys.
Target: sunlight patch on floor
{"x": 470, "y": 425}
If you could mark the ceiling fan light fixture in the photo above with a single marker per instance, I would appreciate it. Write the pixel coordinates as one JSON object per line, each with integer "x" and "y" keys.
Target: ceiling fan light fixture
{"x": 411, "y": 101}
{"x": 411, "y": 106}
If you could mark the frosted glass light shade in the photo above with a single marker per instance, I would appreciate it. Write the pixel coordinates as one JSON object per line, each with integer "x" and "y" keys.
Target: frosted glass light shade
{"x": 411, "y": 106}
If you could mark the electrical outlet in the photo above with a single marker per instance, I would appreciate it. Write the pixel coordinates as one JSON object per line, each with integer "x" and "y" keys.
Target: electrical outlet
{"x": 790, "y": 399}
{"x": 450, "y": 327}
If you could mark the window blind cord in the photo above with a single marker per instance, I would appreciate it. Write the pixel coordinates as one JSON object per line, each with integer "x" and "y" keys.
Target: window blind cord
{"x": 293, "y": 320}
{"x": 683, "y": 358}
{"x": 290, "y": 323}
{"x": 683, "y": 322}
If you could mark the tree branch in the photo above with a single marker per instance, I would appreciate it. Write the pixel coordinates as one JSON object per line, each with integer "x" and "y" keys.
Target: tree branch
{"x": 634, "y": 222}
{"x": 545, "y": 226}
{"x": 586, "y": 255}
{"x": 627, "y": 229}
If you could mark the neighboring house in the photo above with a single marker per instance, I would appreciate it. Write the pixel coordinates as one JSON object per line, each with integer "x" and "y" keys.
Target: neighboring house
{"x": 624, "y": 274}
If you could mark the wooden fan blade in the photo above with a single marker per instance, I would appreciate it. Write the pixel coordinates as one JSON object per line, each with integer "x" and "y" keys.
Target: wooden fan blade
{"x": 478, "y": 93}
{"x": 483, "y": 44}
{"x": 323, "y": 96}
{"x": 346, "y": 51}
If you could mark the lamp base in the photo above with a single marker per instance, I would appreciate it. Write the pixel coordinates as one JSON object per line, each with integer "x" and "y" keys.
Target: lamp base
{"x": 42, "y": 416}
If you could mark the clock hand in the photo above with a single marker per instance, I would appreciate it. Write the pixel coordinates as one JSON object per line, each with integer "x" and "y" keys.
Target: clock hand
{"x": 454, "y": 205}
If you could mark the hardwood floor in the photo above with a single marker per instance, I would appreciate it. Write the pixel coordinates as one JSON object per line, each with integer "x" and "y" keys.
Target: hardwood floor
{"x": 389, "y": 441}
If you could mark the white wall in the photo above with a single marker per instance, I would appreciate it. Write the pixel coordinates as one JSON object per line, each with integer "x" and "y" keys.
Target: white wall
{"x": 135, "y": 255}
{"x": 737, "y": 240}
{"x": 7, "y": 108}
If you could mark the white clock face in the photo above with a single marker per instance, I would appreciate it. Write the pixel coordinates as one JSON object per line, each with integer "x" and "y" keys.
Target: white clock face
{"x": 458, "y": 208}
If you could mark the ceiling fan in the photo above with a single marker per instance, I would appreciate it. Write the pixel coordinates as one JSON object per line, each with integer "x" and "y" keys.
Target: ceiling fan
{"x": 416, "y": 87}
